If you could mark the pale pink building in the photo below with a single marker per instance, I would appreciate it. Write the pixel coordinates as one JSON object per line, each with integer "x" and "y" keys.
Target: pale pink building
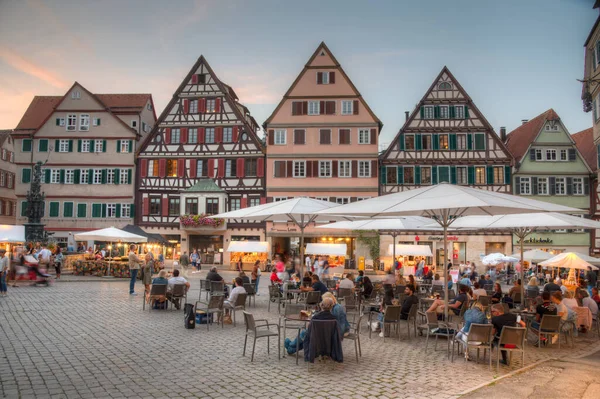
{"x": 322, "y": 143}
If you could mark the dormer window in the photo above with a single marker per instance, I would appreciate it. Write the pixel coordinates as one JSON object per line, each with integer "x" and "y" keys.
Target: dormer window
{"x": 444, "y": 86}
{"x": 325, "y": 78}
{"x": 76, "y": 95}
{"x": 552, "y": 126}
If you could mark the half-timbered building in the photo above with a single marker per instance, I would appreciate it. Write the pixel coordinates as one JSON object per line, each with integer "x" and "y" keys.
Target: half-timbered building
{"x": 446, "y": 138}
{"x": 203, "y": 157}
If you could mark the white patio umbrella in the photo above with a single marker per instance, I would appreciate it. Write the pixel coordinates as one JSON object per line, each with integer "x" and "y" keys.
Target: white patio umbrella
{"x": 534, "y": 255}
{"x": 568, "y": 260}
{"x": 446, "y": 203}
{"x": 301, "y": 211}
{"x": 496, "y": 258}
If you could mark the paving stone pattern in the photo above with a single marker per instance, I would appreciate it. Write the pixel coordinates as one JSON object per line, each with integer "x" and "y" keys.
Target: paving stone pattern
{"x": 90, "y": 339}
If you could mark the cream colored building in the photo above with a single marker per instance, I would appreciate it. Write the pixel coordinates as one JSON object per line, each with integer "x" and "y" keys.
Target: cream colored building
{"x": 87, "y": 143}
{"x": 7, "y": 178}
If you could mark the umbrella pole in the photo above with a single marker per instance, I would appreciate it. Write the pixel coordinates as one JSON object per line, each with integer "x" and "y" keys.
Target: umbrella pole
{"x": 445, "y": 226}
{"x": 302, "y": 250}
{"x": 522, "y": 239}
{"x": 393, "y": 249}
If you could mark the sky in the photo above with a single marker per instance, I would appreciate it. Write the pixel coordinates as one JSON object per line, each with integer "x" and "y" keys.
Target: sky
{"x": 515, "y": 58}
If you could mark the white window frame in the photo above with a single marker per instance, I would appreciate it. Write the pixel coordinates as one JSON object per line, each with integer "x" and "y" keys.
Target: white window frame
{"x": 54, "y": 176}
{"x": 63, "y": 145}
{"x": 484, "y": 175}
{"x": 98, "y": 145}
{"x": 362, "y": 198}
{"x": 342, "y": 200}
{"x": 193, "y": 135}
{"x": 110, "y": 176}
{"x": 414, "y": 177}
{"x": 279, "y": 199}
{"x": 563, "y": 183}
{"x": 542, "y": 182}
{"x": 86, "y": 145}
{"x": 280, "y": 137}
{"x": 430, "y": 142}
{"x": 525, "y": 186}
{"x": 361, "y": 137}
{"x": 301, "y": 169}
{"x": 345, "y": 169}
{"x": 175, "y": 136}
{"x": 447, "y": 141}
{"x": 347, "y": 107}
{"x": 84, "y": 122}
{"x": 227, "y": 135}
{"x": 428, "y": 112}
{"x": 565, "y": 153}
{"x": 459, "y": 112}
{"x": 69, "y": 176}
{"x": 97, "y": 176}
{"x": 229, "y": 164}
{"x": 237, "y": 201}
{"x": 324, "y": 77}
{"x": 461, "y": 139}
{"x": 193, "y": 107}
{"x": 95, "y": 121}
{"x": 423, "y": 168}
{"x": 539, "y": 155}
{"x": 71, "y": 122}
{"x": 327, "y": 165}
{"x": 500, "y": 175}
{"x": 211, "y": 105}
{"x": 364, "y": 171}
{"x": 209, "y": 132}
{"x": 124, "y": 145}
{"x": 314, "y": 108}
{"x": 444, "y": 112}
{"x": 199, "y": 168}
{"x": 84, "y": 177}
{"x": 125, "y": 211}
{"x": 549, "y": 152}
{"x": 111, "y": 210}
{"x": 388, "y": 174}
{"x": 579, "y": 182}
{"x": 76, "y": 95}
{"x": 123, "y": 175}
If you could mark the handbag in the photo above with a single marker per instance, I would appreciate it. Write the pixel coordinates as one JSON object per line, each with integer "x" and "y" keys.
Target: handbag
{"x": 189, "y": 316}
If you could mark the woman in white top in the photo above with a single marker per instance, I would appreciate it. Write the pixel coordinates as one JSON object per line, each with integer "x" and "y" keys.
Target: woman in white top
{"x": 569, "y": 301}
{"x": 561, "y": 308}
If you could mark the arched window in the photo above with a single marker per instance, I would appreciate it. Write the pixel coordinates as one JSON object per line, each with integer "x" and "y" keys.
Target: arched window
{"x": 445, "y": 86}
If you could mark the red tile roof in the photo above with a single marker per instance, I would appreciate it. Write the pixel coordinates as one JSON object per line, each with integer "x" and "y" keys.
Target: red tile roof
{"x": 124, "y": 100}
{"x": 519, "y": 139}
{"x": 585, "y": 144}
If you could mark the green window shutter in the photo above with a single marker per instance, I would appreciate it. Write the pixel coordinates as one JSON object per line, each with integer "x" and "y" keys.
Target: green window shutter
{"x": 443, "y": 174}
{"x": 76, "y": 176}
{"x": 471, "y": 175}
{"x": 57, "y": 121}
{"x": 96, "y": 210}
{"x": 70, "y": 145}
{"x": 453, "y": 175}
{"x": 469, "y": 141}
{"x": 26, "y": 175}
{"x": 117, "y": 176}
{"x": 54, "y": 208}
{"x": 99, "y": 120}
{"x": 103, "y": 145}
{"x": 56, "y": 145}
{"x": 118, "y": 211}
{"x": 490, "y": 174}
{"x": 507, "y": 175}
{"x": 130, "y": 145}
{"x": 452, "y": 140}
{"x": 128, "y": 176}
{"x": 27, "y": 145}
{"x": 400, "y": 172}
{"x": 434, "y": 175}
{"x": 103, "y": 210}
{"x": 104, "y": 175}
{"x": 132, "y": 210}
{"x": 466, "y": 112}
{"x": 118, "y": 146}
{"x": 383, "y": 175}
{"x": 62, "y": 176}
{"x": 90, "y": 176}
{"x": 418, "y": 175}
{"x": 81, "y": 210}
{"x": 451, "y": 112}
{"x": 68, "y": 209}
{"x": 422, "y": 112}
{"x": 479, "y": 141}
{"x": 418, "y": 143}
{"x": 436, "y": 141}
{"x": 24, "y": 206}
{"x": 78, "y": 145}
{"x": 401, "y": 143}
{"x": 47, "y": 176}
{"x": 436, "y": 112}
{"x": 43, "y": 145}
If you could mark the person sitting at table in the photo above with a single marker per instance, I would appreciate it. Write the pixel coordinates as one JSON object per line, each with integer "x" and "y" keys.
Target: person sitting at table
{"x": 591, "y": 304}
{"x": 474, "y": 315}
{"x": 553, "y": 286}
{"x": 307, "y": 279}
{"x": 546, "y": 307}
{"x": 160, "y": 280}
{"x": 275, "y": 277}
{"x": 569, "y": 300}
{"x": 212, "y": 275}
{"x": 497, "y": 295}
{"x": 340, "y": 314}
{"x": 454, "y": 305}
{"x": 347, "y": 282}
{"x": 359, "y": 279}
{"x": 176, "y": 279}
{"x": 533, "y": 283}
{"x": 400, "y": 280}
{"x": 437, "y": 281}
{"x": 466, "y": 281}
{"x": 388, "y": 300}
{"x": 367, "y": 287}
{"x": 229, "y": 303}
{"x": 596, "y": 296}
{"x": 581, "y": 291}
{"x": 482, "y": 280}
{"x": 449, "y": 281}
{"x": 478, "y": 291}
{"x": 561, "y": 308}
{"x": 245, "y": 279}
{"x": 411, "y": 299}
{"x": 515, "y": 288}
{"x": 501, "y": 319}
{"x": 411, "y": 280}
{"x": 317, "y": 285}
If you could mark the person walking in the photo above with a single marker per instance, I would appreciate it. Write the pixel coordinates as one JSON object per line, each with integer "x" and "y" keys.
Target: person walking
{"x": 134, "y": 267}
{"x": 194, "y": 259}
{"x": 3, "y": 272}
{"x": 591, "y": 278}
{"x": 58, "y": 261}
{"x": 184, "y": 261}
{"x": 147, "y": 271}
{"x": 256, "y": 275}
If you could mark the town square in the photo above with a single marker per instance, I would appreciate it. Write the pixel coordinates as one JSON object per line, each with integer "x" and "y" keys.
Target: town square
{"x": 266, "y": 199}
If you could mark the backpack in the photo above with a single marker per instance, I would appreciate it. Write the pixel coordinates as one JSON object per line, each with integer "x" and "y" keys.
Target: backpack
{"x": 189, "y": 316}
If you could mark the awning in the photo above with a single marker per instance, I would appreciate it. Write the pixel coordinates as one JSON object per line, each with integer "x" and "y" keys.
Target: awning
{"x": 326, "y": 249}
{"x": 248, "y": 246}
{"x": 12, "y": 234}
{"x": 410, "y": 250}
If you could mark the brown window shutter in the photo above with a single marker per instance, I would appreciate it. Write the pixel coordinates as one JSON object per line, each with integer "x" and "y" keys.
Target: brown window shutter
{"x": 294, "y": 111}
{"x": 309, "y": 169}
{"x": 330, "y": 107}
{"x": 344, "y": 136}
{"x": 325, "y": 136}
{"x": 304, "y": 107}
{"x": 373, "y": 136}
{"x": 331, "y": 199}
{"x": 290, "y": 169}
{"x": 334, "y": 167}
{"x": 322, "y": 107}
{"x": 354, "y": 168}
{"x": 355, "y": 107}
{"x": 281, "y": 168}
{"x": 374, "y": 168}
{"x": 299, "y": 137}
{"x": 315, "y": 167}
{"x": 319, "y": 78}
{"x": 331, "y": 77}
{"x": 271, "y": 137}
{"x": 353, "y": 199}
{"x": 269, "y": 200}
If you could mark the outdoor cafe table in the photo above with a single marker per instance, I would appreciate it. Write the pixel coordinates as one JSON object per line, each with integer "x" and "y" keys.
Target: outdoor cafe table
{"x": 296, "y": 318}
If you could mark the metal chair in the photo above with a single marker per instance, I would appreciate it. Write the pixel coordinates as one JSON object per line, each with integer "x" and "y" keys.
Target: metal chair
{"x": 412, "y": 318}
{"x": 275, "y": 296}
{"x": 320, "y": 339}
{"x": 204, "y": 287}
{"x": 251, "y": 292}
{"x": 178, "y": 293}
{"x": 512, "y": 339}
{"x": 257, "y": 329}
{"x": 215, "y": 305}
{"x": 350, "y": 303}
{"x": 217, "y": 287}
{"x": 480, "y": 337}
{"x": 354, "y": 335}
{"x": 291, "y": 309}
{"x": 312, "y": 299}
{"x": 516, "y": 297}
{"x": 239, "y": 304}
{"x": 344, "y": 292}
{"x": 157, "y": 291}
{"x": 329, "y": 283}
{"x": 430, "y": 324}
{"x": 399, "y": 290}
{"x": 550, "y": 325}
{"x": 391, "y": 316}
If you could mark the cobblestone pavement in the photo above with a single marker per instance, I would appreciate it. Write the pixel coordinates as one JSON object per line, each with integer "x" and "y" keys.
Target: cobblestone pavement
{"x": 91, "y": 339}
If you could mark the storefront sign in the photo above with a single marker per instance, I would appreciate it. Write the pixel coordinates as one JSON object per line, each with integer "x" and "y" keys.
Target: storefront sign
{"x": 286, "y": 229}
{"x": 533, "y": 240}
{"x": 441, "y": 238}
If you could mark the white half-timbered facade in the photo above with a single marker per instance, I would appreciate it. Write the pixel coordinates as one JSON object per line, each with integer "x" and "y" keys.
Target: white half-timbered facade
{"x": 203, "y": 133}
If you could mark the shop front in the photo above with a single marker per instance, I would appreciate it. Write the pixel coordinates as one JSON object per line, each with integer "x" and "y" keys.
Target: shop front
{"x": 556, "y": 242}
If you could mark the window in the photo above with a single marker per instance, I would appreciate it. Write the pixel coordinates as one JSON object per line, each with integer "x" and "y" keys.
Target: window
{"x": 443, "y": 139}
{"x": 212, "y": 206}
{"x": 323, "y": 77}
{"x": 391, "y": 175}
{"x": 155, "y": 205}
{"x": 362, "y": 198}
{"x": 279, "y": 169}
{"x": 124, "y": 145}
{"x": 98, "y": 145}
{"x": 110, "y": 176}
{"x": 425, "y": 175}
{"x": 193, "y": 107}
{"x": 344, "y": 168}
{"x": 278, "y": 199}
{"x": 84, "y": 177}
{"x": 428, "y": 112}
{"x": 253, "y": 201}
{"x": 209, "y": 135}
{"x": 445, "y": 86}
{"x": 409, "y": 142}
{"x": 364, "y": 136}
{"x": 538, "y": 155}
{"x": 125, "y": 210}
{"x": 2, "y": 179}
{"x": 95, "y": 122}
{"x": 54, "y": 176}
{"x": 480, "y": 175}
{"x": 54, "y": 209}
{"x": 443, "y": 174}
{"x": 69, "y": 176}
{"x": 235, "y": 204}
{"x": 563, "y": 155}
{"x": 299, "y": 168}
{"x": 171, "y": 168}
{"x": 364, "y": 168}
{"x": 346, "y": 107}
{"x": 525, "y": 186}
{"x": 324, "y": 168}
{"x": 250, "y": 167}
{"x": 325, "y": 136}
{"x": 542, "y": 186}
{"x": 550, "y": 155}
{"x": 173, "y": 206}
{"x": 560, "y": 186}
{"x": 280, "y": 137}
{"x": 60, "y": 121}
{"x": 124, "y": 176}
{"x": 81, "y": 210}
{"x": 71, "y": 122}
{"x": 210, "y": 105}
{"x": 84, "y": 122}
{"x": 97, "y": 176}
{"x": 10, "y": 180}
{"x": 459, "y": 112}
{"x": 552, "y": 127}
{"x": 27, "y": 145}
{"x": 191, "y": 206}
{"x": 76, "y": 95}
{"x": 426, "y": 142}
{"x": 111, "y": 210}
{"x": 480, "y": 141}
{"x": 153, "y": 168}
{"x": 498, "y": 174}
{"x": 193, "y": 135}
{"x": 342, "y": 200}
{"x": 578, "y": 186}
{"x": 85, "y": 145}
{"x": 461, "y": 141}
{"x": 63, "y": 146}
{"x": 230, "y": 168}
{"x": 313, "y": 108}
{"x": 444, "y": 112}
{"x": 175, "y": 136}
{"x": 409, "y": 175}
{"x": 227, "y": 135}
{"x": 200, "y": 165}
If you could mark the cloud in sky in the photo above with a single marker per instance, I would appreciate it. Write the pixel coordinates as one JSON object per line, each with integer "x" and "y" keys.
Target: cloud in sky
{"x": 28, "y": 67}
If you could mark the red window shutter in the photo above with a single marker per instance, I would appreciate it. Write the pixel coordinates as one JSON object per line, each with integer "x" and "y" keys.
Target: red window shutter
{"x": 374, "y": 168}
{"x": 260, "y": 167}
{"x": 218, "y": 105}
{"x": 165, "y": 206}
{"x": 239, "y": 170}
{"x": 331, "y": 77}
{"x": 304, "y": 107}
{"x": 295, "y": 108}
{"x": 234, "y": 134}
{"x": 373, "y": 136}
{"x": 319, "y": 78}
{"x": 168, "y": 135}
{"x": 143, "y": 167}
{"x": 146, "y": 206}
{"x": 315, "y": 168}
{"x": 162, "y": 167}
{"x": 186, "y": 106}
{"x": 184, "y": 135}
{"x": 309, "y": 169}
{"x": 201, "y": 135}
{"x": 219, "y": 134}
{"x": 271, "y": 137}
{"x": 355, "y": 107}
{"x": 181, "y": 167}
{"x": 211, "y": 168}
{"x": 322, "y": 107}
{"x": 195, "y": 79}
{"x": 202, "y": 105}
{"x": 334, "y": 168}
{"x": 290, "y": 169}
{"x": 354, "y": 168}
{"x": 221, "y": 167}
{"x": 330, "y": 107}
{"x": 193, "y": 168}
{"x": 244, "y": 202}
{"x": 263, "y": 200}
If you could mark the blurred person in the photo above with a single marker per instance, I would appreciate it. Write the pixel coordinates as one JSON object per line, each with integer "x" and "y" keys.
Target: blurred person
{"x": 134, "y": 267}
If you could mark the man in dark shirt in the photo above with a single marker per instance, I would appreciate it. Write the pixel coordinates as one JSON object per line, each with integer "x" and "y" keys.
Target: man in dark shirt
{"x": 551, "y": 287}
{"x": 500, "y": 320}
{"x": 411, "y": 299}
{"x": 213, "y": 275}
{"x": 317, "y": 285}
{"x": 461, "y": 298}
{"x": 547, "y": 307}
{"x": 591, "y": 278}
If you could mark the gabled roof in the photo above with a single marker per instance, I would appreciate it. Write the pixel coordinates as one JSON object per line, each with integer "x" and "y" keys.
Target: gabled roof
{"x": 4, "y": 134}
{"x": 204, "y": 186}
{"x": 323, "y": 46}
{"x": 585, "y": 144}
{"x": 518, "y": 140}
{"x": 38, "y": 111}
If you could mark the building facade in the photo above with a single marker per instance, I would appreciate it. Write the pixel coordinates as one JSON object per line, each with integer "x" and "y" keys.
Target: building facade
{"x": 447, "y": 139}
{"x": 202, "y": 158}
{"x": 8, "y": 204}
{"x": 550, "y": 168}
{"x": 322, "y": 143}
{"x": 87, "y": 143}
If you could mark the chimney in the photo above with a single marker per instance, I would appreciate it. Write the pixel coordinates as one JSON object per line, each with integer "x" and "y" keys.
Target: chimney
{"x": 524, "y": 121}
{"x": 405, "y": 116}
{"x": 503, "y": 134}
